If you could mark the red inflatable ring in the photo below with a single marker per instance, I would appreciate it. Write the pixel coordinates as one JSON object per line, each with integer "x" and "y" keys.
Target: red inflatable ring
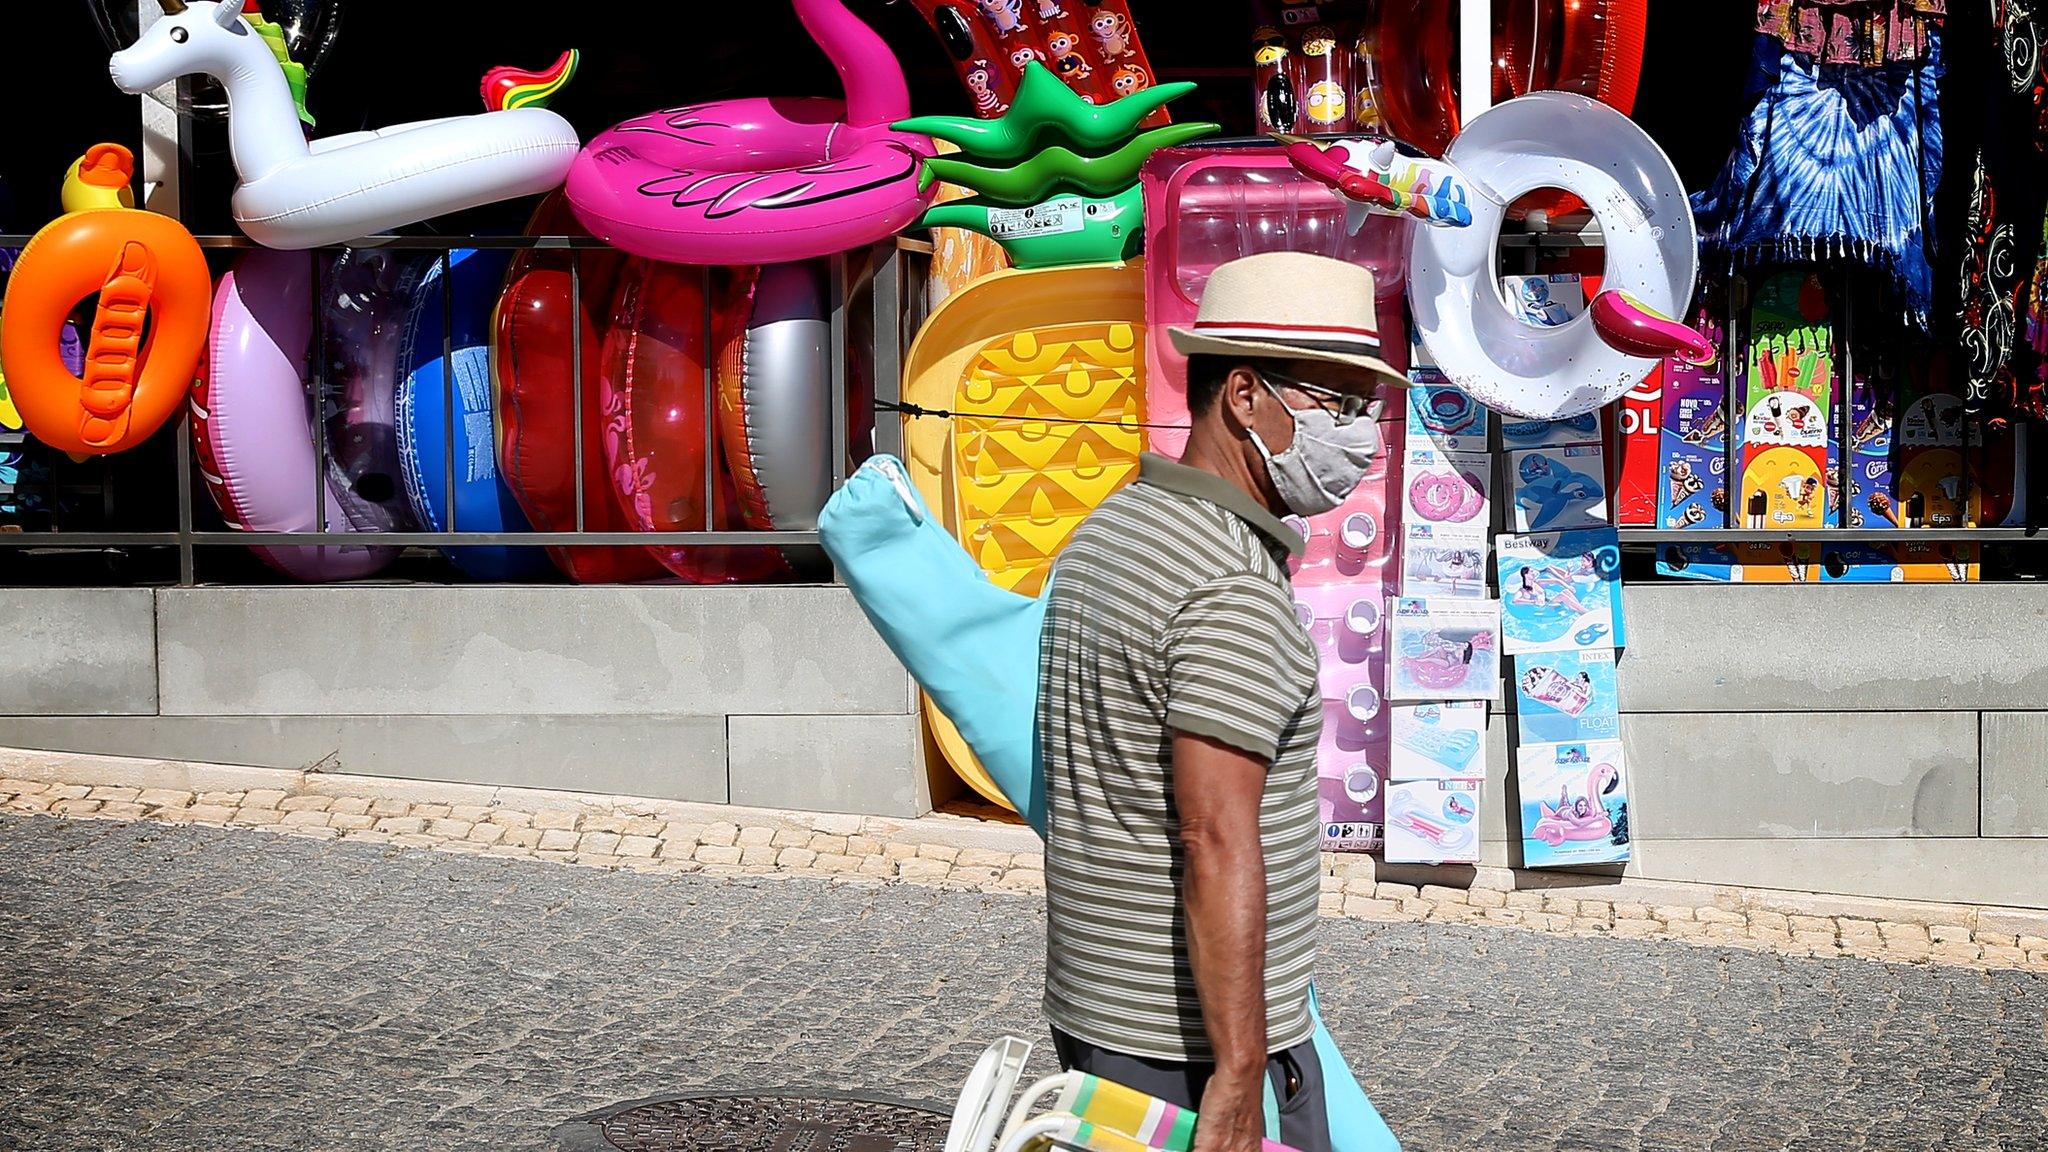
{"x": 531, "y": 367}
{"x": 656, "y": 435}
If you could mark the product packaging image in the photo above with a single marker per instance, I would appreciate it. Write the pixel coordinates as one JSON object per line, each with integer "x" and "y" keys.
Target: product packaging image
{"x": 1445, "y": 515}
{"x": 1560, "y": 591}
{"x": 1433, "y": 822}
{"x": 1452, "y": 566}
{"x": 1448, "y": 489}
{"x": 1516, "y": 435}
{"x": 1438, "y": 740}
{"x": 1443, "y": 649}
{"x": 1692, "y": 489}
{"x": 1564, "y": 696}
{"x": 1790, "y": 392}
{"x": 1442, "y": 417}
{"x": 1574, "y": 803}
{"x": 1544, "y": 300}
{"x": 1557, "y": 489}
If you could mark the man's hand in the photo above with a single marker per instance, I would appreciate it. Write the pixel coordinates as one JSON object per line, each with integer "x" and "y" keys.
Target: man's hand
{"x": 1232, "y": 1117}
{"x": 1216, "y": 789}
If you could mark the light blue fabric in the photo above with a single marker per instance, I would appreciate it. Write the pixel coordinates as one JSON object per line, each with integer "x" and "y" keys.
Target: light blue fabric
{"x": 969, "y": 644}
{"x": 974, "y": 648}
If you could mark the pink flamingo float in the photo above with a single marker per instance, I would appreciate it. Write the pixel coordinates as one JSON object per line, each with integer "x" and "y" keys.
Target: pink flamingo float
{"x": 1584, "y": 818}
{"x": 763, "y": 180}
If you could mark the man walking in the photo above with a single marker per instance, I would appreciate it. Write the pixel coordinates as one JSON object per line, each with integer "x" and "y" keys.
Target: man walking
{"x": 1179, "y": 714}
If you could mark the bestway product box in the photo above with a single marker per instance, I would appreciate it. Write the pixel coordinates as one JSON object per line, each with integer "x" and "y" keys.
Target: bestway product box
{"x": 1560, "y": 591}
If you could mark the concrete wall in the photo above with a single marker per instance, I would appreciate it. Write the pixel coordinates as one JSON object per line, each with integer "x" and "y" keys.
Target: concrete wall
{"x": 763, "y": 696}
{"x": 1881, "y": 741}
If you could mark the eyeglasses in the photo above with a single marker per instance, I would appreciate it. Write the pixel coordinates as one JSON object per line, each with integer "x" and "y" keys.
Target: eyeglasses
{"x": 1350, "y": 405}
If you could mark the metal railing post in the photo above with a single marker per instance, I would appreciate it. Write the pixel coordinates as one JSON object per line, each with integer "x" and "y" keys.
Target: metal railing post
{"x": 576, "y": 375}
{"x": 1845, "y": 421}
{"x": 710, "y": 426}
{"x": 887, "y": 361}
{"x": 448, "y": 379}
{"x": 1734, "y": 408}
{"x": 840, "y": 436}
{"x": 317, "y": 378}
{"x": 187, "y": 561}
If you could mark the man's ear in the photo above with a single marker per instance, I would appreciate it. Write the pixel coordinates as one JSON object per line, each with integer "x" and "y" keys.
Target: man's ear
{"x": 1240, "y": 392}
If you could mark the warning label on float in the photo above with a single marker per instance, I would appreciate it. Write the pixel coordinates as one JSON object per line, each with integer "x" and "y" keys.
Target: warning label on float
{"x": 1632, "y": 212}
{"x": 1053, "y": 218}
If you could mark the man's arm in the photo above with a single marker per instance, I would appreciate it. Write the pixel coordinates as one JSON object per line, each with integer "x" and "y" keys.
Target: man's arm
{"x": 1232, "y": 691}
{"x": 1217, "y": 790}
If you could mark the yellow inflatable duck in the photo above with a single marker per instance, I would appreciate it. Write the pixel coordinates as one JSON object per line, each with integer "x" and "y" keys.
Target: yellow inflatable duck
{"x": 98, "y": 179}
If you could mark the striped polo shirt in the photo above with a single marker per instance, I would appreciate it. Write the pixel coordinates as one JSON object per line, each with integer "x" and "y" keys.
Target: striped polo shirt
{"x": 1170, "y": 609}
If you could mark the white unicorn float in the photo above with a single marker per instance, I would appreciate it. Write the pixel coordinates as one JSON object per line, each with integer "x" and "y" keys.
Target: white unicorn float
{"x": 299, "y": 194}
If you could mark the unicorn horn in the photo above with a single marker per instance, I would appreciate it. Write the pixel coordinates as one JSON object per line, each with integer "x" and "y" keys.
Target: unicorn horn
{"x": 876, "y": 92}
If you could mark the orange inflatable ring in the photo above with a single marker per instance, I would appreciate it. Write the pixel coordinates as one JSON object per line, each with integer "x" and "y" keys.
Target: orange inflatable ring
{"x": 147, "y": 332}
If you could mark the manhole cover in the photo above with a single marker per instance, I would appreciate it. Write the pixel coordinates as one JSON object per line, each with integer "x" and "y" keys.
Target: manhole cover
{"x": 793, "y": 1122}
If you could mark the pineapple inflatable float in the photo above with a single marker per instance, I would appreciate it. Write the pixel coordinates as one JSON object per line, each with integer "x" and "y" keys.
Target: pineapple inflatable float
{"x": 1041, "y": 367}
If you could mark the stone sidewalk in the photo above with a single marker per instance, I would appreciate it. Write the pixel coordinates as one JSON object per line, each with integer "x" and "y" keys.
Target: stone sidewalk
{"x": 177, "y": 988}
{"x": 964, "y": 852}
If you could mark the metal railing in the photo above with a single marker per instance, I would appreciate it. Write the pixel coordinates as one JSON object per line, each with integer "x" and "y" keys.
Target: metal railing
{"x": 879, "y": 287}
{"x": 885, "y": 287}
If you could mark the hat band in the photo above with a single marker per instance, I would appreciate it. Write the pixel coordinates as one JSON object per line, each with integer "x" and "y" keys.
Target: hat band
{"x": 1309, "y": 337}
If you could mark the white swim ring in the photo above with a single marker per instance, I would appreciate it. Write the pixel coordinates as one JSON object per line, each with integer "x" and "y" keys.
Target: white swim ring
{"x": 1553, "y": 140}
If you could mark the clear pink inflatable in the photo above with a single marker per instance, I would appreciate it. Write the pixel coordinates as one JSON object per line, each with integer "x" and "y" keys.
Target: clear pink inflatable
{"x": 251, "y": 421}
{"x": 1209, "y": 206}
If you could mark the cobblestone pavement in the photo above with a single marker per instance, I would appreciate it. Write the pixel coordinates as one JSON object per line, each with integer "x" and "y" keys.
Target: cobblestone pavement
{"x": 964, "y": 852}
{"x": 188, "y": 987}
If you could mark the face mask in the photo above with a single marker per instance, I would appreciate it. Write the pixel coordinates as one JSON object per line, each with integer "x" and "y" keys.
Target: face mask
{"x": 1325, "y": 463}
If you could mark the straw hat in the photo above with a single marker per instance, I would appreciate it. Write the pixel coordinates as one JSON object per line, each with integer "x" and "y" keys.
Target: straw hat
{"x": 1289, "y": 306}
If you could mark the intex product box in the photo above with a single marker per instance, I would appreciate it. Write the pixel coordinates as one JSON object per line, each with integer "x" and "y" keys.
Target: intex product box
{"x": 1449, "y": 490}
{"x": 1558, "y": 489}
{"x": 1443, "y": 417}
{"x": 1516, "y": 435}
{"x": 1564, "y": 697}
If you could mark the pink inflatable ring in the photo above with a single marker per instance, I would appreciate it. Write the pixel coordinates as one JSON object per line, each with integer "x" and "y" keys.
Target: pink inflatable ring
{"x": 762, "y": 180}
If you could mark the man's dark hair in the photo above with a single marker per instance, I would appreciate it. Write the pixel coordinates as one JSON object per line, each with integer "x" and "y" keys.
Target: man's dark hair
{"x": 1206, "y": 375}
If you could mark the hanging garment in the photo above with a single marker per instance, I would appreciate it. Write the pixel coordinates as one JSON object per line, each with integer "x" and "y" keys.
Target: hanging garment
{"x": 2000, "y": 88}
{"x": 1834, "y": 162}
{"x": 1862, "y": 32}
